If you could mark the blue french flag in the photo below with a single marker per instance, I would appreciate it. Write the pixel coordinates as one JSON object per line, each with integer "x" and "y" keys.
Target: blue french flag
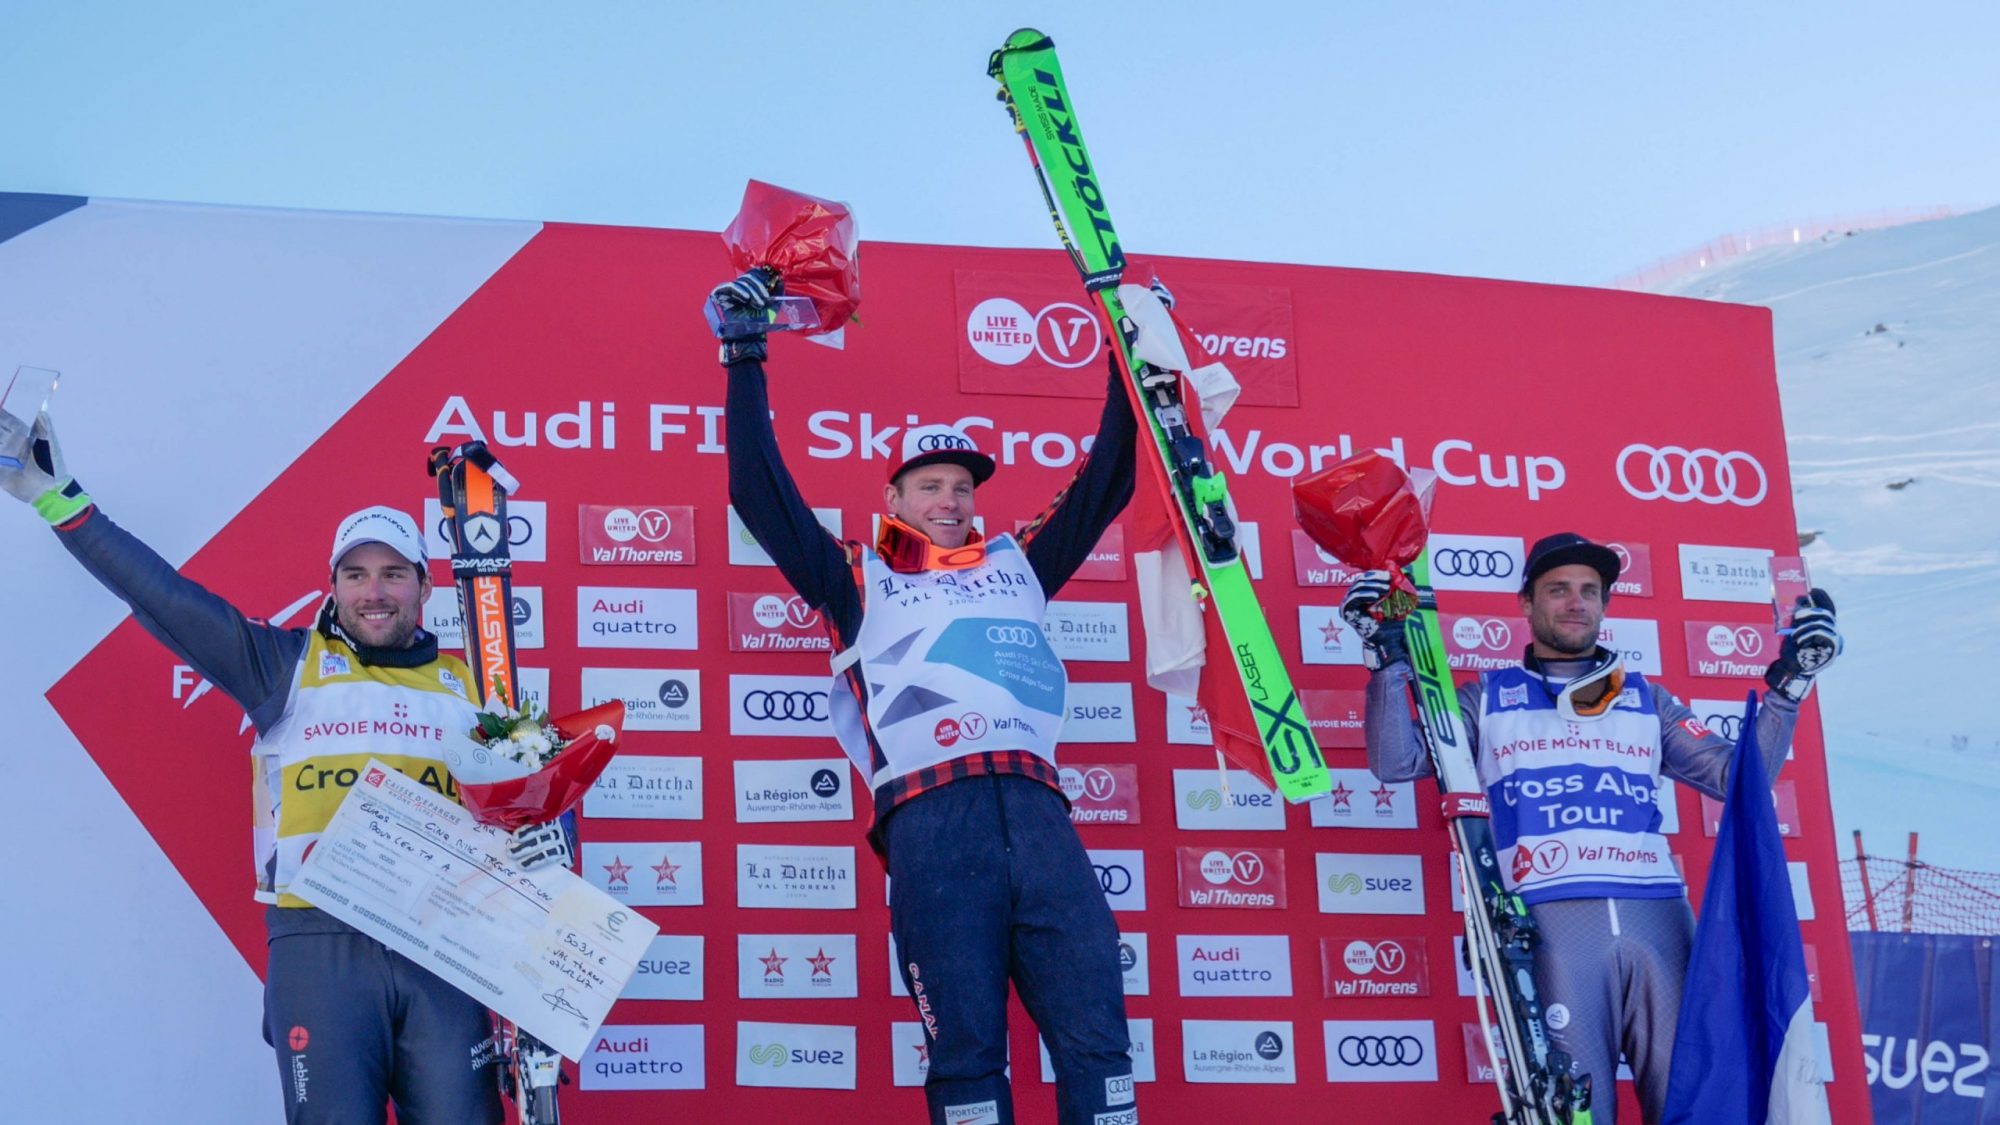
{"x": 1745, "y": 1051}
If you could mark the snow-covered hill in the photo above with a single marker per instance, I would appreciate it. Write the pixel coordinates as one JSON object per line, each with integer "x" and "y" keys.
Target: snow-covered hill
{"x": 1888, "y": 348}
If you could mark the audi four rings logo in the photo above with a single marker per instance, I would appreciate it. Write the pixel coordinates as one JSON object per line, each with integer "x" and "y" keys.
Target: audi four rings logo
{"x": 1024, "y": 635}
{"x": 1381, "y": 1050}
{"x": 931, "y": 443}
{"x": 1112, "y": 878}
{"x": 1466, "y": 562}
{"x": 1671, "y": 472}
{"x": 794, "y": 706}
{"x": 1728, "y": 726}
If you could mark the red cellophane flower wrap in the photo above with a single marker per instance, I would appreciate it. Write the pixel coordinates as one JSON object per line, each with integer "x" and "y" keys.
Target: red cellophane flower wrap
{"x": 808, "y": 240}
{"x": 549, "y": 792}
{"x": 1367, "y": 514}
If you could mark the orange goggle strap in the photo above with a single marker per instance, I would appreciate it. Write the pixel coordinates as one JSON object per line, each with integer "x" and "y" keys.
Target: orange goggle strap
{"x": 908, "y": 551}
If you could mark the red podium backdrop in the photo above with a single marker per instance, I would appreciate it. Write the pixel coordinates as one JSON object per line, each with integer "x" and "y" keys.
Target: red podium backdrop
{"x": 584, "y": 362}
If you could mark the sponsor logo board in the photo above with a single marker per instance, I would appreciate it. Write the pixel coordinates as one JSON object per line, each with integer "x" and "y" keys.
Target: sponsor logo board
{"x": 646, "y": 874}
{"x": 1208, "y": 799}
{"x": 1098, "y": 712}
{"x": 443, "y": 620}
{"x": 775, "y": 623}
{"x": 671, "y": 969}
{"x": 1135, "y": 964}
{"x": 1784, "y": 797}
{"x": 645, "y": 787}
{"x": 779, "y": 705}
{"x": 1727, "y": 648}
{"x": 527, "y": 530}
{"x": 1492, "y": 563}
{"x": 1121, "y": 875}
{"x": 1335, "y": 716}
{"x": 799, "y": 1056}
{"x": 794, "y": 877}
{"x": 1358, "y": 800}
{"x": 796, "y": 789}
{"x": 1635, "y": 569}
{"x": 1087, "y": 631}
{"x": 909, "y": 1055}
{"x": 1367, "y": 883}
{"x": 1314, "y": 565}
{"x": 656, "y": 699}
{"x": 1367, "y": 968}
{"x": 1725, "y": 574}
{"x": 1381, "y": 1051}
{"x": 1187, "y": 722}
{"x": 1234, "y": 964}
{"x": 1325, "y": 637}
{"x": 1101, "y": 794}
{"x": 1239, "y": 1051}
{"x": 1482, "y": 643}
{"x": 1231, "y": 878}
{"x": 635, "y": 534}
{"x": 648, "y": 1056}
{"x": 743, "y": 548}
{"x": 796, "y": 966}
{"x": 635, "y": 617}
{"x": 1638, "y": 638}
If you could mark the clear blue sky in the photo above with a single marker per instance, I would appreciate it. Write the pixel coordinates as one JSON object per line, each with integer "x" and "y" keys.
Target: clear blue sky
{"x": 1547, "y": 142}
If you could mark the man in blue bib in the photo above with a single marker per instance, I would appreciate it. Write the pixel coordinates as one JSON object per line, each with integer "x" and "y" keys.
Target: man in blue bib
{"x": 1570, "y": 749}
{"x": 949, "y": 700}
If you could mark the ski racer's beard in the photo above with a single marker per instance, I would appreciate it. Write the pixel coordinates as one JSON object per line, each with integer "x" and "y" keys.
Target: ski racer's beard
{"x": 1573, "y": 641}
{"x": 398, "y": 631}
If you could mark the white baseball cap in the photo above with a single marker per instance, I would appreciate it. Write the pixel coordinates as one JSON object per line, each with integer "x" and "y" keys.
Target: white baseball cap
{"x": 379, "y": 524}
{"x": 931, "y": 445}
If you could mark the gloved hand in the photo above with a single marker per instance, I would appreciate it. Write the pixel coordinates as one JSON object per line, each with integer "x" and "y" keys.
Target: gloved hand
{"x": 1381, "y": 641}
{"x": 1810, "y": 645}
{"x": 538, "y": 847}
{"x": 1161, "y": 291}
{"x": 749, "y": 294}
{"x": 43, "y": 481}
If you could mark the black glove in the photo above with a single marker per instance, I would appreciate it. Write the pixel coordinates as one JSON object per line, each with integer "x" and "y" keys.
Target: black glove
{"x": 1161, "y": 291}
{"x": 747, "y": 296}
{"x": 1810, "y": 645}
{"x": 1381, "y": 640}
{"x": 540, "y": 846}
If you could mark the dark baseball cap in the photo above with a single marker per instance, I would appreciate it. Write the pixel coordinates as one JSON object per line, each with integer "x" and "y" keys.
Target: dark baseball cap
{"x": 1567, "y": 548}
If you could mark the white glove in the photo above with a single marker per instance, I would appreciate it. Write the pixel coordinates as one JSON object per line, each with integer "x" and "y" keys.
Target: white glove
{"x": 537, "y": 847}
{"x": 43, "y": 470}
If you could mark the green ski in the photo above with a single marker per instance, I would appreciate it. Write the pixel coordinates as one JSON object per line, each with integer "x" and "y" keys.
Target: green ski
{"x": 1031, "y": 86}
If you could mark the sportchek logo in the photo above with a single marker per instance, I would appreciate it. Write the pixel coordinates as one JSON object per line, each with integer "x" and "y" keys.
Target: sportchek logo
{"x": 1243, "y": 878}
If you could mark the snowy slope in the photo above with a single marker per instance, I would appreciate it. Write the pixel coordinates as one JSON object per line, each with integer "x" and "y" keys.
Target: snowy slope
{"x": 1888, "y": 348}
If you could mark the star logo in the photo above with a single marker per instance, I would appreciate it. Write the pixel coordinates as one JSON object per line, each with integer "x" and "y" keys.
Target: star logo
{"x": 1341, "y": 794}
{"x": 923, "y": 1053}
{"x": 1329, "y": 633}
{"x": 618, "y": 869}
{"x": 665, "y": 870}
{"x": 774, "y": 965}
{"x": 1197, "y": 716}
{"x": 822, "y": 964}
{"x": 1385, "y": 797}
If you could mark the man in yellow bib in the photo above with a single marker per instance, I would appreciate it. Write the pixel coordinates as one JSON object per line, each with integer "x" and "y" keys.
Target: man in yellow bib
{"x": 354, "y": 1024}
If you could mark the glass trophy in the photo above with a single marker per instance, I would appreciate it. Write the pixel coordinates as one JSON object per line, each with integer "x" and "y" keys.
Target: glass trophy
{"x": 25, "y": 396}
{"x": 1789, "y": 582}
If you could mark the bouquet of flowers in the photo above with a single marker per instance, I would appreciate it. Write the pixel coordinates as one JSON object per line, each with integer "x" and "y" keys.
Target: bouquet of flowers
{"x": 521, "y": 767}
{"x": 1368, "y": 513}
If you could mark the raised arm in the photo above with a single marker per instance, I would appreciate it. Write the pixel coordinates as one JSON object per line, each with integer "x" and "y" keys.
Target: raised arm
{"x": 1060, "y": 540}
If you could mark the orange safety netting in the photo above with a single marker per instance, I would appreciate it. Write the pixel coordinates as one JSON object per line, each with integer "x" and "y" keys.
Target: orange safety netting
{"x": 1904, "y": 896}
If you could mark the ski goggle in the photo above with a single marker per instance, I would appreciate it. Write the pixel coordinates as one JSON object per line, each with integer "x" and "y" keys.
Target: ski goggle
{"x": 1600, "y": 686}
{"x": 909, "y": 551}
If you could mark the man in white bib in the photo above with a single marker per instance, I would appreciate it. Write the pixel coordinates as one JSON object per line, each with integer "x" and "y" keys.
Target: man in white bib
{"x": 949, "y": 701}
{"x": 1570, "y": 748}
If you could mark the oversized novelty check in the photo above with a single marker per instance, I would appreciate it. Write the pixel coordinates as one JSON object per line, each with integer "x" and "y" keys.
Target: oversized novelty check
{"x": 414, "y": 871}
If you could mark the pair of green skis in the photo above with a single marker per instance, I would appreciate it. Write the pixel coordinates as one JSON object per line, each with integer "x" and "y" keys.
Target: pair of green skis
{"x": 1536, "y": 1089}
